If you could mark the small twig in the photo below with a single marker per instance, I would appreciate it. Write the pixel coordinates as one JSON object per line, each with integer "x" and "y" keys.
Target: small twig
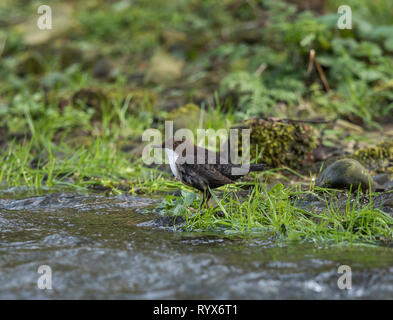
{"x": 313, "y": 60}
{"x": 261, "y": 69}
{"x": 322, "y": 75}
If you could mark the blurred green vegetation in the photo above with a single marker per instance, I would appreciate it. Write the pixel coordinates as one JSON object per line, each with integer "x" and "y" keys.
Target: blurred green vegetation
{"x": 108, "y": 70}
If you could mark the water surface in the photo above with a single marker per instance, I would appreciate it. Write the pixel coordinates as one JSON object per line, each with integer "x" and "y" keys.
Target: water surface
{"x": 107, "y": 247}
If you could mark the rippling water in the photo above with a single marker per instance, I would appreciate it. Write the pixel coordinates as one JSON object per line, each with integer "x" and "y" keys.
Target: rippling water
{"x": 105, "y": 247}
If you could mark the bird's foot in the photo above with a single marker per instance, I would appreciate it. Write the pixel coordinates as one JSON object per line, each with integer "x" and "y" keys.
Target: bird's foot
{"x": 200, "y": 212}
{"x": 193, "y": 210}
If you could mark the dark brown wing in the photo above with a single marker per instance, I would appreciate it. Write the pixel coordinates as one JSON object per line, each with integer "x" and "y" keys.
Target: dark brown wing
{"x": 196, "y": 171}
{"x": 201, "y": 176}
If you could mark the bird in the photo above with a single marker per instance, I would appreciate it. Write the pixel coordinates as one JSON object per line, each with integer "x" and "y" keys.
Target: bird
{"x": 195, "y": 169}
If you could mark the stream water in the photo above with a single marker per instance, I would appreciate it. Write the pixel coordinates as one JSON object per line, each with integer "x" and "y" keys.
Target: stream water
{"x": 105, "y": 247}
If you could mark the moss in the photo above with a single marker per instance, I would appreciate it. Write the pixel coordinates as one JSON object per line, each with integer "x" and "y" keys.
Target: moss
{"x": 279, "y": 142}
{"x": 379, "y": 157}
{"x": 30, "y": 63}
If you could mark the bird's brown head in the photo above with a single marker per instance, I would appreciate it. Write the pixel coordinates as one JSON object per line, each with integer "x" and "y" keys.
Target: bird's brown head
{"x": 171, "y": 143}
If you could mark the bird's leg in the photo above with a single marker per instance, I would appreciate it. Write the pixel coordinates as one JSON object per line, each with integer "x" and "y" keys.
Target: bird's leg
{"x": 206, "y": 195}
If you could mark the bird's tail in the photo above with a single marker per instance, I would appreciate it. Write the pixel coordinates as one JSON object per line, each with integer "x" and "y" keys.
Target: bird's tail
{"x": 259, "y": 167}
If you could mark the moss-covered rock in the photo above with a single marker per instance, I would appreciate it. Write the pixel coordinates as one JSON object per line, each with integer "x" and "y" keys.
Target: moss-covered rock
{"x": 280, "y": 142}
{"x": 344, "y": 174}
{"x": 30, "y": 63}
{"x": 378, "y": 158}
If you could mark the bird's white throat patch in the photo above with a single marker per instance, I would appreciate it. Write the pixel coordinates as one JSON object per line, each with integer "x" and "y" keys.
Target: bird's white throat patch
{"x": 172, "y": 157}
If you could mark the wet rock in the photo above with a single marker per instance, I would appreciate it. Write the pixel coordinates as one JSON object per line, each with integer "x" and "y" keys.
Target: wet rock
{"x": 382, "y": 178}
{"x": 345, "y": 173}
{"x": 389, "y": 185}
{"x": 312, "y": 197}
{"x": 169, "y": 221}
{"x": 99, "y": 187}
{"x": 310, "y": 201}
{"x": 385, "y": 202}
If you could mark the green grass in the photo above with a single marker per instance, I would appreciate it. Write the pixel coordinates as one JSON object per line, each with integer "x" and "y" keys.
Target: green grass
{"x": 276, "y": 212}
{"x": 82, "y": 168}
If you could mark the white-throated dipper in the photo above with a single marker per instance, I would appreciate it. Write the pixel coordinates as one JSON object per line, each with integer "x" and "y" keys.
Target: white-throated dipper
{"x": 201, "y": 168}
